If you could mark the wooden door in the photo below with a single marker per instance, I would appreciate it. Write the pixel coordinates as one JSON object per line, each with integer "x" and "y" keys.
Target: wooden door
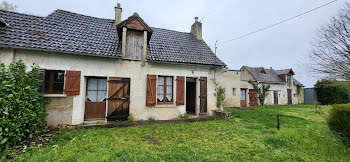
{"x": 253, "y": 97}
{"x": 275, "y": 97}
{"x": 118, "y": 98}
{"x": 243, "y": 98}
{"x": 203, "y": 96}
{"x": 96, "y": 94}
{"x": 289, "y": 91}
{"x": 134, "y": 45}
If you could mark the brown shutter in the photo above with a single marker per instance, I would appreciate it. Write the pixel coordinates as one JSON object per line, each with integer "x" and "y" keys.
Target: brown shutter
{"x": 180, "y": 90}
{"x": 72, "y": 84}
{"x": 151, "y": 90}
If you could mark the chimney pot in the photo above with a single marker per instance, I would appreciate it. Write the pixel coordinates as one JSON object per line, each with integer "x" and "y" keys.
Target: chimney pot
{"x": 270, "y": 68}
{"x": 118, "y": 5}
{"x": 196, "y": 19}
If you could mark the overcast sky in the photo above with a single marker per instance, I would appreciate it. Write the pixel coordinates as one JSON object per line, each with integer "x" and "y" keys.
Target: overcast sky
{"x": 280, "y": 47}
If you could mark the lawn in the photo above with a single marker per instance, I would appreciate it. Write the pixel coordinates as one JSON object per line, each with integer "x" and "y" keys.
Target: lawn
{"x": 248, "y": 136}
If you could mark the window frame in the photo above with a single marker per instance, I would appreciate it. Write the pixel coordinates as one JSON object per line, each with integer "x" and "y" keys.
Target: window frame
{"x": 51, "y": 81}
{"x": 164, "y": 102}
{"x": 97, "y": 90}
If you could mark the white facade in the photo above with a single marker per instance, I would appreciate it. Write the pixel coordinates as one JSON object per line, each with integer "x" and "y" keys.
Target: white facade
{"x": 110, "y": 67}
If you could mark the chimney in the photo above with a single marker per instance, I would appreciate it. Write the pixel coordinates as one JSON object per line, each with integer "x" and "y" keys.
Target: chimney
{"x": 118, "y": 14}
{"x": 270, "y": 68}
{"x": 196, "y": 29}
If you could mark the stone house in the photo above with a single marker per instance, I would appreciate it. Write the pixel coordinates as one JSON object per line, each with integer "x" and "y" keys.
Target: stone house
{"x": 285, "y": 89}
{"x": 98, "y": 69}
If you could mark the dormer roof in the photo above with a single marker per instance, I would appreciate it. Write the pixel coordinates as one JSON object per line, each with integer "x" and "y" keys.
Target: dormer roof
{"x": 134, "y": 22}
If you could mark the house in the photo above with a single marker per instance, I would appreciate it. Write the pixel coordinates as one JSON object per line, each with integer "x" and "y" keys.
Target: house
{"x": 98, "y": 69}
{"x": 285, "y": 89}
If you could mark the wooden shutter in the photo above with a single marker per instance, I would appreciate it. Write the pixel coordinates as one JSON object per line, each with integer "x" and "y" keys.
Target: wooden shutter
{"x": 180, "y": 90}
{"x": 151, "y": 90}
{"x": 72, "y": 84}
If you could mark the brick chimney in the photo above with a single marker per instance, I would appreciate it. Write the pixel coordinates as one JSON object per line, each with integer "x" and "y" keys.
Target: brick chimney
{"x": 196, "y": 29}
{"x": 118, "y": 14}
{"x": 270, "y": 68}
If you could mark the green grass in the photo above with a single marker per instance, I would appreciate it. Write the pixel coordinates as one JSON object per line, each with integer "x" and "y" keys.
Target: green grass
{"x": 304, "y": 136}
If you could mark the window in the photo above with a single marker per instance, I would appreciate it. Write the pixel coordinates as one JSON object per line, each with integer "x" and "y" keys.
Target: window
{"x": 234, "y": 91}
{"x": 243, "y": 94}
{"x": 54, "y": 82}
{"x": 97, "y": 89}
{"x": 165, "y": 89}
{"x": 289, "y": 80}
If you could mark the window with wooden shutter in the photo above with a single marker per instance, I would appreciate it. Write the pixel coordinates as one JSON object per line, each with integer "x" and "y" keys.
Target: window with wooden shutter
{"x": 180, "y": 90}
{"x": 72, "y": 85}
{"x": 151, "y": 90}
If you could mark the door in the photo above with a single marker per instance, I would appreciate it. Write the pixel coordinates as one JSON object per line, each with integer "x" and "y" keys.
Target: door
{"x": 191, "y": 95}
{"x": 96, "y": 94}
{"x": 253, "y": 97}
{"x": 289, "y": 91}
{"x": 203, "y": 96}
{"x": 243, "y": 98}
{"x": 118, "y": 98}
{"x": 275, "y": 97}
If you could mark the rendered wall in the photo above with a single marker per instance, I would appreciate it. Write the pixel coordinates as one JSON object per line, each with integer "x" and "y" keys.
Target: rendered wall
{"x": 232, "y": 80}
{"x": 135, "y": 70}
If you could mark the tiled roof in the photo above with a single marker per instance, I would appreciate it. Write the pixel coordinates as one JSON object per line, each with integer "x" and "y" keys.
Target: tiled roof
{"x": 72, "y": 33}
{"x": 296, "y": 82}
{"x": 269, "y": 76}
{"x": 284, "y": 71}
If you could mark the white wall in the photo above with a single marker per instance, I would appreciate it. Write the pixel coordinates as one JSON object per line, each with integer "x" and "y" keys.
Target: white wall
{"x": 135, "y": 70}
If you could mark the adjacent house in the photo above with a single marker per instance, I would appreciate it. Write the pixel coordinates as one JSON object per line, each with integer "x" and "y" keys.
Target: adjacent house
{"x": 101, "y": 69}
{"x": 285, "y": 89}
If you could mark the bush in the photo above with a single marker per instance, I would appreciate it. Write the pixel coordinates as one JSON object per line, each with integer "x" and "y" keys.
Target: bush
{"x": 329, "y": 93}
{"x": 22, "y": 110}
{"x": 130, "y": 118}
{"x": 339, "y": 121}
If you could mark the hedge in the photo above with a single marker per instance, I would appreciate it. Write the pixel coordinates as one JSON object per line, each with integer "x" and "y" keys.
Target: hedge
{"x": 22, "y": 105}
{"x": 339, "y": 121}
{"x": 328, "y": 93}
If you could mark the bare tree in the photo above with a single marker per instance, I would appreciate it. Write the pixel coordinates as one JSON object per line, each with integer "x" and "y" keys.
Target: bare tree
{"x": 7, "y": 6}
{"x": 331, "y": 50}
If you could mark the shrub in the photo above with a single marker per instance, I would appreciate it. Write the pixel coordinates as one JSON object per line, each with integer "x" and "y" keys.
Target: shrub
{"x": 329, "y": 93}
{"x": 22, "y": 110}
{"x": 339, "y": 121}
{"x": 131, "y": 118}
{"x": 183, "y": 116}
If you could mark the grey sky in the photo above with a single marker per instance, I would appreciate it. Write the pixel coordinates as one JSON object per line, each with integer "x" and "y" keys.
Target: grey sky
{"x": 283, "y": 46}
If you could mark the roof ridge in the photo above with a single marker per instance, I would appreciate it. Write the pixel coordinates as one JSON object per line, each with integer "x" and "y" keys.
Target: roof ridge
{"x": 61, "y": 10}
{"x": 14, "y": 12}
{"x": 170, "y": 30}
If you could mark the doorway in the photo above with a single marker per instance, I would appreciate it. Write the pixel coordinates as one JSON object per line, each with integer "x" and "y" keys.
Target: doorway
{"x": 253, "y": 97}
{"x": 289, "y": 91}
{"x": 243, "y": 97}
{"x": 96, "y": 96}
{"x": 191, "y": 95}
{"x": 275, "y": 97}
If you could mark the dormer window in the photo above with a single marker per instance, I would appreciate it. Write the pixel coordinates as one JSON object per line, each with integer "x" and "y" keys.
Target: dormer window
{"x": 134, "y": 45}
{"x": 135, "y": 35}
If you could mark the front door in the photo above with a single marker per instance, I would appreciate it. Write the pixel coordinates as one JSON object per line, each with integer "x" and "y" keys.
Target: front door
{"x": 275, "y": 97}
{"x": 96, "y": 94}
{"x": 191, "y": 95}
{"x": 253, "y": 97}
{"x": 243, "y": 98}
{"x": 203, "y": 96}
{"x": 289, "y": 91}
{"x": 118, "y": 98}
